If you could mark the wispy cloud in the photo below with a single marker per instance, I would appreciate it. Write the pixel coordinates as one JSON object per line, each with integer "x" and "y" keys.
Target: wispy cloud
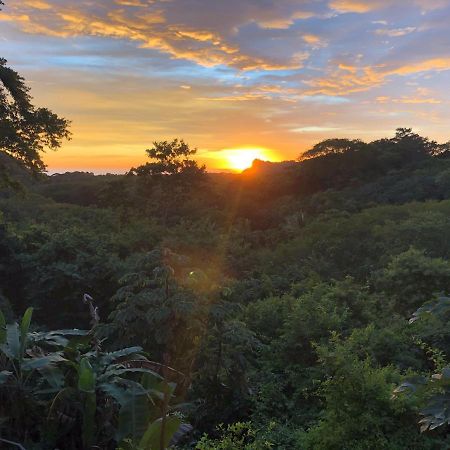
{"x": 395, "y": 32}
{"x": 314, "y": 129}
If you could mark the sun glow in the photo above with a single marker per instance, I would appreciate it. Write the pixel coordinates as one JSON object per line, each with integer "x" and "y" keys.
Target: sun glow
{"x": 242, "y": 158}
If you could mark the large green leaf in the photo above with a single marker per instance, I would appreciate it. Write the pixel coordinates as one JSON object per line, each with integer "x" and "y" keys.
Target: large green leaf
{"x": 86, "y": 377}
{"x": 24, "y": 328}
{"x": 153, "y": 438}
{"x": 108, "y": 358}
{"x": 118, "y": 370}
{"x": 42, "y": 362}
{"x": 12, "y": 346}
{"x": 57, "y": 338}
{"x": 117, "y": 392}
{"x": 134, "y": 416}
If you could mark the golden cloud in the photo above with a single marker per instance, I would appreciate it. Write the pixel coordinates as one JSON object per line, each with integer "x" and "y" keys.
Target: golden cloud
{"x": 285, "y": 23}
{"x": 409, "y": 100}
{"x": 365, "y": 6}
{"x": 38, "y": 4}
{"x": 356, "y": 6}
{"x": 347, "y": 78}
{"x": 150, "y": 30}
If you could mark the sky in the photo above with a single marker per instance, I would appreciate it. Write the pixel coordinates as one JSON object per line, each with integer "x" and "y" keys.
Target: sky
{"x": 272, "y": 77}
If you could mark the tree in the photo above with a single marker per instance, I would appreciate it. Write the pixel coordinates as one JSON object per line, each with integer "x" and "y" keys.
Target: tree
{"x": 163, "y": 305}
{"x": 405, "y": 147}
{"x": 411, "y": 278}
{"x": 170, "y": 159}
{"x": 25, "y": 131}
{"x": 333, "y": 146}
{"x": 168, "y": 181}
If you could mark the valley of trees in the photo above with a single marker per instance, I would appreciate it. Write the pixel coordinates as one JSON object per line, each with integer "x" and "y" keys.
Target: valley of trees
{"x": 298, "y": 305}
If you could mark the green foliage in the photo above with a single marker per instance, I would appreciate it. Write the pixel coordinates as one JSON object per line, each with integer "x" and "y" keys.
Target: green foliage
{"x": 162, "y": 305}
{"x": 76, "y": 395}
{"x": 238, "y": 436}
{"x": 412, "y": 277}
{"x": 279, "y": 310}
{"x": 359, "y": 412}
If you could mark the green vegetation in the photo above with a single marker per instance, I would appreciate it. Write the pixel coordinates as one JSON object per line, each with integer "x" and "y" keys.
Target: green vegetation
{"x": 299, "y": 305}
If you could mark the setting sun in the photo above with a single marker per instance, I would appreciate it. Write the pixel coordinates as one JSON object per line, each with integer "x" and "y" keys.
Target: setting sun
{"x": 242, "y": 158}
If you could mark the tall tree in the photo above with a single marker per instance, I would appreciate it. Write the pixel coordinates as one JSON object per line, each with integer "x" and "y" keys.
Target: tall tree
{"x": 25, "y": 130}
{"x": 170, "y": 179}
{"x": 171, "y": 159}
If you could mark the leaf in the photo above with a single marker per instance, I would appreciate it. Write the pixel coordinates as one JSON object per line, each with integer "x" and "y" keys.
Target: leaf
{"x": 436, "y": 307}
{"x": 4, "y": 375}
{"x": 2, "y": 329}
{"x": 58, "y": 338}
{"x": 113, "y": 356}
{"x": 12, "y": 346}
{"x": 134, "y": 416}
{"x": 117, "y": 370}
{"x": 24, "y": 328}
{"x": 42, "y": 362}
{"x": 152, "y": 438}
{"x": 86, "y": 377}
{"x": 118, "y": 393}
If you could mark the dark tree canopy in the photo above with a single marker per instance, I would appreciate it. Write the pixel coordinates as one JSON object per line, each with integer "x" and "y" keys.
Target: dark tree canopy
{"x": 25, "y": 130}
{"x": 170, "y": 159}
{"x": 332, "y": 146}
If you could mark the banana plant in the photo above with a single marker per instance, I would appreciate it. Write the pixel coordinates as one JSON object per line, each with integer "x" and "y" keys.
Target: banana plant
{"x": 25, "y": 367}
{"x": 69, "y": 392}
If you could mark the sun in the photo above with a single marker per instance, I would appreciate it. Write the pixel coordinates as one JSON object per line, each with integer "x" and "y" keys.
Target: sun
{"x": 242, "y": 158}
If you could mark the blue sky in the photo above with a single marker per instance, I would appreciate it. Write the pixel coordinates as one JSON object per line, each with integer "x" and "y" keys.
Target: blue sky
{"x": 275, "y": 74}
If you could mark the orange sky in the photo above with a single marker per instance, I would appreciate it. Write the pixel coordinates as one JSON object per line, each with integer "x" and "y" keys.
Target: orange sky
{"x": 278, "y": 75}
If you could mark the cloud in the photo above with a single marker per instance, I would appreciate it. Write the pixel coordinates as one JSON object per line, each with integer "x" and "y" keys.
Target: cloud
{"x": 283, "y": 23}
{"x": 150, "y": 26}
{"x": 131, "y": 3}
{"x": 314, "y": 129}
{"x": 426, "y": 65}
{"x": 356, "y": 6}
{"x": 314, "y": 40}
{"x": 409, "y": 100}
{"x": 38, "y": 4}
{"x": 344, "y": 78}
{"x": 366, "y": 6}
{"x": 395, "y": 32}
{"x": 430, "y": 5}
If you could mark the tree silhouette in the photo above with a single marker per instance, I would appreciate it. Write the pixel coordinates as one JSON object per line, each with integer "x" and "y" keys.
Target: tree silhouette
{"x": 25, "y": 131}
